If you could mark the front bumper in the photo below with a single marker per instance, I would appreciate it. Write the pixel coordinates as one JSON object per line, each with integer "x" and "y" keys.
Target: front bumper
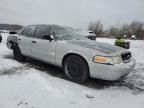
{"x": 111, "y": 72}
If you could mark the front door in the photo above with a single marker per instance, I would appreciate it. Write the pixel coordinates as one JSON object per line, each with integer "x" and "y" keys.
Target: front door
{"x": 41, "y": 48}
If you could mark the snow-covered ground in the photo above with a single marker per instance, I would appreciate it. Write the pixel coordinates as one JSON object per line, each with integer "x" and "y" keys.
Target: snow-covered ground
{"x": 33, "y": 84}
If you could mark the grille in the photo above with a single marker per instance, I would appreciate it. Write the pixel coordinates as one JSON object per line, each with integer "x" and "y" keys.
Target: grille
{"x": 126, "y": 57}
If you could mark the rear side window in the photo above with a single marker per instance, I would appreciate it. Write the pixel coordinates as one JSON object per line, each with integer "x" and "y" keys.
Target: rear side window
{"x": 29, "y": 31}
{"x": 42, "y": 30}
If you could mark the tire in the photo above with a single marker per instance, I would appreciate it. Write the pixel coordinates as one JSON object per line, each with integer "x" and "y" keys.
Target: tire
{"x": 127, "y": 45}
{"x": 0, "y": 39}
{"x": 17, "y": 53}
{"x": 76, "y": 69}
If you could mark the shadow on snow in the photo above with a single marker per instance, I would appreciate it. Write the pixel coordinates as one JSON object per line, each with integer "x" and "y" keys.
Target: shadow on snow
{"x": 134, "y": 81}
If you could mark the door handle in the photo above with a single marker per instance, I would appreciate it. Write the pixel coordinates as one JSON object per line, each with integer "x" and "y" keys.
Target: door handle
{"x": 33, "y": 41}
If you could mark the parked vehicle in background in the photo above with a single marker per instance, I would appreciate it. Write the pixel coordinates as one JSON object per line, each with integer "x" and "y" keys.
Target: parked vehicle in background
{"x": 88, "y": 34}
{"x": 133, "y": 37}
{"x": 91, "y": 35}
{"x": 122, "y": 43}
{"x": 125, "y": 37}
{"x": 80, "y": 57}
{"x": 0, "y": 38}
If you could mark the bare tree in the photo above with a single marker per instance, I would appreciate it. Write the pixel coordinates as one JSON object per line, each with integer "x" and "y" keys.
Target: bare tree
{"x": 136, "y": 27}
{"x": 125, "y": 30}
{"x": 96, "y": 27}
{"x": 10, "y": 27}
{"x": 113, "y": 31}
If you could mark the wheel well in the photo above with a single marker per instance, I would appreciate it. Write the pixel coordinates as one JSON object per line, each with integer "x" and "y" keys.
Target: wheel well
{"x": 13, "y": 44}
{"x": 70, "y": 54}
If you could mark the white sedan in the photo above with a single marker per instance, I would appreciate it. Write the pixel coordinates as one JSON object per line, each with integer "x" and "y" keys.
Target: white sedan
{"x": 80, "y": 57}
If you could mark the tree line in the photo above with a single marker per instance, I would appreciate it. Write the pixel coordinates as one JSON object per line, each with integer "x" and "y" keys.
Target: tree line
{"x": 134, "y": 28}
{"x": 10, "y": 27}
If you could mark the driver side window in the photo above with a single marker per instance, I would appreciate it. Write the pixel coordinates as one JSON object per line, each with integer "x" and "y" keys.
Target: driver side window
{"x": 41, "y": 31}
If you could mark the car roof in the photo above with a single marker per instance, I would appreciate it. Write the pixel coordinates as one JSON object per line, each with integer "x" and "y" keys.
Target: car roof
{"x": 50, "y": 25}
{"x": 54, "y": 26}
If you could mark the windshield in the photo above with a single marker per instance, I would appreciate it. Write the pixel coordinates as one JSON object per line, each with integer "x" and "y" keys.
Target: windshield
{"x": 66, "y": 33}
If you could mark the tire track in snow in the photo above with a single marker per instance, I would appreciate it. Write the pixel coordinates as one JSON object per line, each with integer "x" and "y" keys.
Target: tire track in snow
{"x": 14, "y": 70}
{"x": 134, "y": 81}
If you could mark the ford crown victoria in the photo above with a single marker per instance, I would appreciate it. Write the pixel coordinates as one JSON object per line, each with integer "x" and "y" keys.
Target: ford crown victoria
{"x": 80, "y": 57}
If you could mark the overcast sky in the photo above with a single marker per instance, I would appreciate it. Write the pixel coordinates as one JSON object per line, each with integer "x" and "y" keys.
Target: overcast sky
{"x": 75, "y": 13}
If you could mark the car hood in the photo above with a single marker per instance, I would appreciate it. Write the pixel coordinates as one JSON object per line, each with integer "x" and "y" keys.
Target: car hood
{"x": 99, "y": 46}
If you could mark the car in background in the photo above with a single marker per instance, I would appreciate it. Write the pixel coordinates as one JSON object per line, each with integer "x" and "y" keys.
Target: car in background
{"x": 125, "y": 37}
{"x": 133, "y": 37}
{"x": 0, "y": 38}
{"x": 80, "y": 57}
{"x": 88, "y": 34}
{"x": 91, "y": 35}
{"x": 121, "y": 42}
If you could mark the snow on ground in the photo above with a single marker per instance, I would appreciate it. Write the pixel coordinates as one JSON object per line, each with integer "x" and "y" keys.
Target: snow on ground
{"x": 33, "y": 84}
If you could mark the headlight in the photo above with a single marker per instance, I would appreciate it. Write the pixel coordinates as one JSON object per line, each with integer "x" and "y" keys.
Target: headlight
{"x": 107, "y": 60}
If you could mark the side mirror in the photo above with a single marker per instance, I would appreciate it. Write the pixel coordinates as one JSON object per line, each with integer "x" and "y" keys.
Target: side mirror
{"x": 48, "y": 37}
{"x": 12, "y": 32}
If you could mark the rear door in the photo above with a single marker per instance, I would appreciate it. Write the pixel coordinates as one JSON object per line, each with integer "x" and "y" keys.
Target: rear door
{"x": 25, "y": 40}
{"x": 43, "y": 49}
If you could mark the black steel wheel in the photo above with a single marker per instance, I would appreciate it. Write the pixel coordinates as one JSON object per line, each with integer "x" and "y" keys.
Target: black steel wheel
{"x": 76, "y": 69}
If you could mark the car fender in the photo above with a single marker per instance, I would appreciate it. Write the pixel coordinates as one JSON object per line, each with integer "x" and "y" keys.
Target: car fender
{"x": 63, "y": 48}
